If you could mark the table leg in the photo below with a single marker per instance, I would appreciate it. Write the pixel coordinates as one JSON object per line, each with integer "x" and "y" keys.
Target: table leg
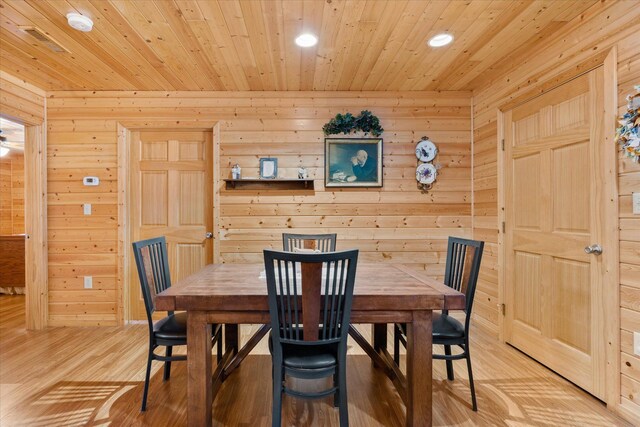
{"x": 199, "y": 385}
{"x": 419, "y": 369}
{"x": 231, "y": 337}
{"x": 379, "y": 334}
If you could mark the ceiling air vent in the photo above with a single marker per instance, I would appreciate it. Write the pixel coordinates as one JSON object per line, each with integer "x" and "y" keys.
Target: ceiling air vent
{"x": 44, "y": 38}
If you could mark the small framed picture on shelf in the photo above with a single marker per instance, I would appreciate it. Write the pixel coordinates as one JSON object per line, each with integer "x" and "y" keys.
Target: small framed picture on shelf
{"x": 268, "y": 168}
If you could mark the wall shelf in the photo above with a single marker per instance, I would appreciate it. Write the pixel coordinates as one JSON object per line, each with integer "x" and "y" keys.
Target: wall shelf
{"x": 277, "y": 183}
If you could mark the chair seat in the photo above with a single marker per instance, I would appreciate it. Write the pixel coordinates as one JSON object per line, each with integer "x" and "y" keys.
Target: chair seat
{"x": 309, "y": 357}
{"x": 172, "y": 327}
{"x": 446, "y": 327}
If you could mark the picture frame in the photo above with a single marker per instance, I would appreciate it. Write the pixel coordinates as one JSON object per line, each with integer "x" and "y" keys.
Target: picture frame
{"x": 268, "y": 168}
{"x": 353, "y": 162}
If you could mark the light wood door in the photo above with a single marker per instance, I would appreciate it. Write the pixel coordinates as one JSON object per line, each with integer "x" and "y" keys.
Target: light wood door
{"x": 553, "y": 288}
{"x": 171, "y": 195}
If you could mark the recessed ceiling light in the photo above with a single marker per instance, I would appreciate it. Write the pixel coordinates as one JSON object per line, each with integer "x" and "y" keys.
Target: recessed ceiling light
{"x": 306, "y": 40}
{"x": 3, "y": 151}
{"x": 79, "y": 22}
{"x": 440, "y": 40}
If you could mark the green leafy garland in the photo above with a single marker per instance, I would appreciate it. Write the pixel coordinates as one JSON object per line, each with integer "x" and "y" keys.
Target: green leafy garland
{"x": 346, "y": 123}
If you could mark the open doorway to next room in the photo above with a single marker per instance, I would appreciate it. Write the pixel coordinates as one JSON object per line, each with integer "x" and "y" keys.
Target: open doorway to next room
{"x": 12, "y": 218}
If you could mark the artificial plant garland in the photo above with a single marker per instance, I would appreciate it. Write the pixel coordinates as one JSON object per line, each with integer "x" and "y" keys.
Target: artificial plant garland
{"x": 347, "y": 123}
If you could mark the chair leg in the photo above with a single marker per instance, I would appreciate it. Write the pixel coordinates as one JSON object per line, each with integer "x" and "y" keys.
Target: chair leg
{"x": 342, "y": 387}
{"x": 447, "y": 351}
{"x": 336, "y": 383}
{"x": 167, "y": 365}
{"x": 219, "y": 346}
{"x": 276, "y": 410}
{"x": 474, "y": 403}
{"x": 396, "y": 345}
{"x": 146, "y": 381}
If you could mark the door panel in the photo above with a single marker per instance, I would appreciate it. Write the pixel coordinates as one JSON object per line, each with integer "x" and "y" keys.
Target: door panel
{"x": 526, "y": 192}
{"x": 527, "y": 300}
{"x": 553, "y": 289}
{"x": 571, "y": 197}
{"x": 171, "y": 195}
{"x": 526, "y": 130}
{"x": 573, "y": 300}
{"x": 153, "y": 194}
{"x": 189, "y": 259}
{"x": 191, "y": 202}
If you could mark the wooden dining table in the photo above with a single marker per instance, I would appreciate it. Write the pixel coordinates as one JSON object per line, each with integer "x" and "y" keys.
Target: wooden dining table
{"x": 233, "y": 294}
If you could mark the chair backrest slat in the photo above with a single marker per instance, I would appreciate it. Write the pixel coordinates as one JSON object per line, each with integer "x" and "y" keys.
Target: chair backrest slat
{"x": 321, "y": 242}
{"x": 153, "y": 270}
{"x": 310, "y": 294}
{"x": 311, "y": 279}
{"x": 463, "y": 267}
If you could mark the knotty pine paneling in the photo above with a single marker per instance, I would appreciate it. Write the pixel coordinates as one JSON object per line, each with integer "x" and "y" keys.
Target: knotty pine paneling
{"x": 20, "y": 101}
{"x": 237, "y": 45}
{"x": 602, "y": 26}
{"x": 12, "y": 193}
{"x": 393, "y": 224}
{"x": 82, "y": 245}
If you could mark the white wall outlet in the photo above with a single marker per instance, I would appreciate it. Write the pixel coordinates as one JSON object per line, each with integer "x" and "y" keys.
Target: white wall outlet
{"x": 636, "y": 203}
{"x": 86, "y": 208}
{"x": 88, "y": 282}
{"x": 636, "y": 343}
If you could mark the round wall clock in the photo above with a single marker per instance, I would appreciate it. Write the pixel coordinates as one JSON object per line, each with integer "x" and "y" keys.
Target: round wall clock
{"x": 426, "y": 150}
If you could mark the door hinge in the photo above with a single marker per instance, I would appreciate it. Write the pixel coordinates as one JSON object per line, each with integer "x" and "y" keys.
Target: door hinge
{"x": 503, "y": 308}
{"x": 504, "y": 227}
{"x": 502, "y": 144}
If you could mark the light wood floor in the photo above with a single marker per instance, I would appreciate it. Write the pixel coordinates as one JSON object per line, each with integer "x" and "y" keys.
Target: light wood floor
{"x": 94, "y": 376}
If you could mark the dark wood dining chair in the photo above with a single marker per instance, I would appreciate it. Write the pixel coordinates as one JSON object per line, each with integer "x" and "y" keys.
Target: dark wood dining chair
{"x": 319, "y": 242}
{"x": 153, "y": 271}
{"x": 290, "y": 243}
{"x": 461, "y": 274}
{"x": 310, "y": 299}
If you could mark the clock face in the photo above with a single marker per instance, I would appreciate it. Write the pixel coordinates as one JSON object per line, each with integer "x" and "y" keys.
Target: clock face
{"x": 426, "y": 173}
{"x": 426, "y": 150}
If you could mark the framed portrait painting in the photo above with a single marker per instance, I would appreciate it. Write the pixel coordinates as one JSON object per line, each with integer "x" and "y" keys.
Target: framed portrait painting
{"x": 353, "y": 162}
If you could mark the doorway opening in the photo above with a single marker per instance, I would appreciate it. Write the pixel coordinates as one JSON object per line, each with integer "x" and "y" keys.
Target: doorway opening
{"x": 12, "y": 222}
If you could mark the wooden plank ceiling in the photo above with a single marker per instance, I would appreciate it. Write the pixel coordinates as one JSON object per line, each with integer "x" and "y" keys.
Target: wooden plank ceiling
{"x": 238, "y": 45}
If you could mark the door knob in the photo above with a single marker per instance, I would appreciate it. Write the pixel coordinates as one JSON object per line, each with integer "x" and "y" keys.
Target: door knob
{"x": 593, "y": 249}
{"x": 209, "y": 235}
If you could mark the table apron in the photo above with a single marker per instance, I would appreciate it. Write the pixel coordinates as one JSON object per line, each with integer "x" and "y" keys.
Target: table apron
{"x": 253, "y": 317}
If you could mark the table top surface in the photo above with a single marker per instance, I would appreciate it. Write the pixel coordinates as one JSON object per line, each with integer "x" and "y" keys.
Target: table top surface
{"x": 242, "y": 287}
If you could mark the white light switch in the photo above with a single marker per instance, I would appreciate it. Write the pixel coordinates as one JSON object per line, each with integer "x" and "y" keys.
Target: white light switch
{"x": 88, "y": 282}
{"x": 636, "y": 343}
{"x": 86, "y": 208}
{"x": 636, "y": 203}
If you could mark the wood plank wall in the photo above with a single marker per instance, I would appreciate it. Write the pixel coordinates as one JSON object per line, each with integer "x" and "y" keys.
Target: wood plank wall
{"x": 12, "y": 193}
{"x": 21, "y": 101}
{"x": 395, "y": 224}
{"x": 604, "y": 25}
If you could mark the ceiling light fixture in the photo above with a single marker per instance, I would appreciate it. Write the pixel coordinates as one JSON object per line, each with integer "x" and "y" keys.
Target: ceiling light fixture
{"x": 306, "y": 40}
{"x": 3, "y": 151}
{"x": 440, "y": 40}
{"x": 79, "y": 22}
